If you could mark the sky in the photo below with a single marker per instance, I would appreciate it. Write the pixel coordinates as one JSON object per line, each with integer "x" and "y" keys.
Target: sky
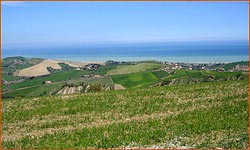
{"x": 54, "y": 24}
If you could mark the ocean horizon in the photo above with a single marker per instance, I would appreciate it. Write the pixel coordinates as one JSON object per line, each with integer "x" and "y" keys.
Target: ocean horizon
{"x": 195, "y": 52}
{"x": 185, "y": 59}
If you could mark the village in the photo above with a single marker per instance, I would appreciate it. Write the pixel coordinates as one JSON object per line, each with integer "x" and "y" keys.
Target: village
{"x": 169, "y": 66}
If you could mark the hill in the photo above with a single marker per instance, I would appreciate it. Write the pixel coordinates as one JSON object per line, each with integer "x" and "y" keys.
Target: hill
{"x": 212, "y": 114}
{"x": 13, "y": 64}
{"x": 76, "y": 78}
{"x": 41, "y": 68}
{"x": 134, "y": 68}
{"x": 139, "y": 79}
{"x": 235, "y": 64}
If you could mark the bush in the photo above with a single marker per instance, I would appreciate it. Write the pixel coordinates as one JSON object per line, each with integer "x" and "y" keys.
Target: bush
{"x": 95, "y": 88}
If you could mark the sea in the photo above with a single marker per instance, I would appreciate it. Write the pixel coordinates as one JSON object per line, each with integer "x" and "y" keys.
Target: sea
{"x": 190, "y": 52}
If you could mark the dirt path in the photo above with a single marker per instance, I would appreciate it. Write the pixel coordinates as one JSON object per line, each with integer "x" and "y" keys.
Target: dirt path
{"x": 27, "y": 87}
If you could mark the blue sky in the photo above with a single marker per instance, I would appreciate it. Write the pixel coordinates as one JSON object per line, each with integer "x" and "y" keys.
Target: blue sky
{"x": 52, "y": 24}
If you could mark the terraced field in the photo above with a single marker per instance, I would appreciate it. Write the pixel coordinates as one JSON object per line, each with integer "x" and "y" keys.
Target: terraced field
{"x": 212, "y": 114}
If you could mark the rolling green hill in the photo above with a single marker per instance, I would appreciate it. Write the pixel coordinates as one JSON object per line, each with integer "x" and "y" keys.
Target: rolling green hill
{"x": 12, "y": 64}
{"x": 134, "y": 68}
{"x": 212, "y": 114}
{"x": 55, "y": 77}
{"x": 199, "y": 74}
{"x": 132, "y": 80}
{"x": 160, "y": 74}
{"x": 233, "y": 64}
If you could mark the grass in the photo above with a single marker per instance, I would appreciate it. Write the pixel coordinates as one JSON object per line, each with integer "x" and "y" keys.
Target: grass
{"x": 9, "y": 65}
{"x": 199, "y": 74}
{"x": 212, "y": 114}
{"x": 4, "y": 87}
{"x": 10, "y": 78}
{"x": 135, "y": 79}
{"x": 46, "y": 89}
{"x": 102, "y": 81}
{"x": 134, "y": 68}
{"x": 34, "y": 91}
{"x": 160, "y": 74}
{"x": 51, "y": 89}
{"x": 231, "y": 65}
{"x": 219, "y": 75}
{"x": 103, "y": 70}
{"x": 55, "y": 77}
{"x": 183, "y": 73}
{"x": 19, "y": 93}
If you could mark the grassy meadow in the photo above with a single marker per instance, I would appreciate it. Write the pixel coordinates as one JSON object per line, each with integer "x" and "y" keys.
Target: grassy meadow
{"x": 135, "y": 79}
{"x": 173, "y": 109}
{"x": 134, "y": 68}
{"x": 212, "y": 114}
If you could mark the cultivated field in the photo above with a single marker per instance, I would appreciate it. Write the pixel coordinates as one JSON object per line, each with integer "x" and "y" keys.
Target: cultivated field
{"x": 41, "y": 68}
{"x": 134, "y": 68}
{"x": 132, "y": 80}
{"x": 212, "y": 114}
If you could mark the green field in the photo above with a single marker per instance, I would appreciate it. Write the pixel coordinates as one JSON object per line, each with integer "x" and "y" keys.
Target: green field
{"x": 10, "y": 78}
{"x": 219, "y": 75}
{"x": 11, "y": 64}
{"x": 233, "y": 64}
{"x": 41, "y": 89}
{"x": 55, "y": 77}
{"x": 132, "y": 80}
{"x": 19, "y": 93}
{"x": 102, "y": 81}
{"x": 182, "y": 73}
{"x": 212, "y": 114}
{"x": 46, "y": 89}
{"x": 134, "y": 68}
{"x": 34, "y": 91}
{"x": 199, "y": 74}
{"x": 160, "y": 74}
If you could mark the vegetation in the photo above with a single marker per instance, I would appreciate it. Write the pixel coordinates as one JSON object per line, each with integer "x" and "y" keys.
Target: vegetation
{"x": 157, "y": 109}
{"x": 134, "y": 68}
{"x": 55, "y": 77}
{"x": 103, "y": 70}
{"x": 212, "y": 114}
{"x": 64, "y": 67}
{"x": 34, "y": 91}
{"x": 182, "y": 73}
{"x": 199, "y": 74}
{"x": 135, "y": 79}
{"x": 160, "y": 74}
{"x": 102, "y": 81}
{"x": 233, "y": 64}
{"x": 12, "y": 64}
{"x": 219, "y": 75}
{"x": 46, "y": 89}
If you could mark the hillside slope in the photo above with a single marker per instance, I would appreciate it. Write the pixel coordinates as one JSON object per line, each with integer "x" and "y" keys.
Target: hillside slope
{"x": 13, "y": 64}
{"x": 212, "y": 114}
{"x": 134, "y": 68}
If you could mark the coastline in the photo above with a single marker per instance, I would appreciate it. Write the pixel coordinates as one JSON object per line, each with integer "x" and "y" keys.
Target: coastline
{"x": 181, "y": 59}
